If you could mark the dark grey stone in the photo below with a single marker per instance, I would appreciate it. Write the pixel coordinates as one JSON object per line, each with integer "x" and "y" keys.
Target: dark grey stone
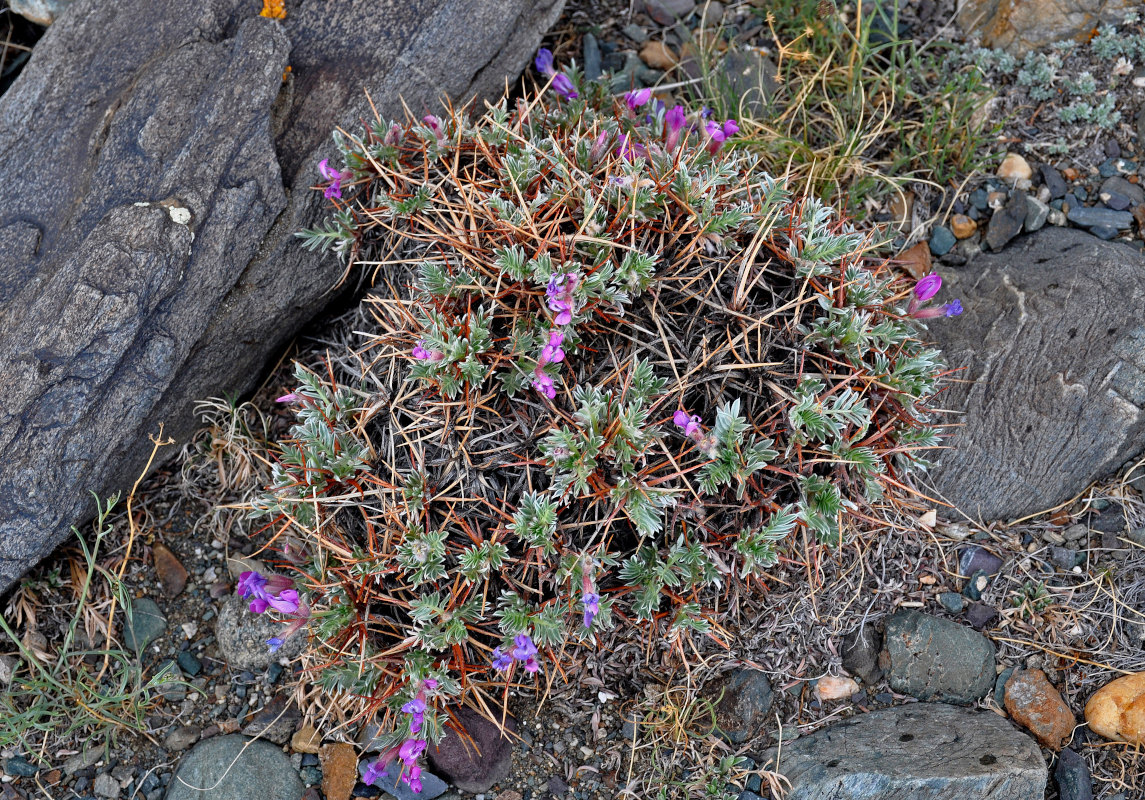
{"x": 972, "y": 558}
{"x": 1053, "y": 181}
{"x": 1052, "y": 388}
{"x": 275, "y": 721}
{"x": 924, "y": 751}
{"x": 1089, "y": 217}
{"x": 860, "y": 650}
{"x": 180, "y": 739}
{"x": 189, "y": 663}
{"x": 1116, "y": 200}
{"x": 942, "y": 240}
{"x": 234, "y": 768}
{"x": 242, "y": 636}
{"x": 635, "y": 33}
{"x": 156, "y": 167}
{"x": 431, "y": 786}
{"x": 668, "y": 12}
{"x": 937, "y": 659}
{"x": 751, "y": 80}
{"x": 146, "y": 625}
{"x": 1000, "y": 686}
{"x": 981, "y": 615}
{"x": 1065, "y": 557}
{"x": 1072, "y": 776}
{"x": 742, "y": 701}
{"x": 1007, "y": 222}
{"x": 952, "y": 602}
{"x": 20, "y": 767}
{"x": 1037, "y": 213}
{"x": 592, "y": 65}
{"x": 977, "y": 583}
{"x": 1106, "y": 232}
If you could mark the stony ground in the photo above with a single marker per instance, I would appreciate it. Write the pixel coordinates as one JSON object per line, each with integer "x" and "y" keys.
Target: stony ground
{"x": 1062, "y": 593}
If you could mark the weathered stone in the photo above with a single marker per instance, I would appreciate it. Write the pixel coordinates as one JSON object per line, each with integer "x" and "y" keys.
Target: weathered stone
{"x": 1072, "y": 776}
{"x": 181, "y": 738}
{"x": 147, "y": 624}
{"x": 1100, "y": 218}
{"x": 431, "y": 786}
{"x": 275, "y": 721}
{"x": 156, "y": 168}
{"x": 668, "y": 12}
{"x": 106, "y": 786}
{"x": 1034, "y": 703}
{"x": 305, "y": 740}
{"x": 1117, "y": 710}
{"x": 860, "y": 650}
{"x": 937, "y": 659}
{"x": 1022, "y": 25}
{"x": 234, "y": 768}
{"x": 834, "y": 687}
{"x": 658, "y": 55}
{"x": 242, "y": 636}
{"x": 742, "y": 701}
{"x": 41, "y": 12}
{"x": 1014, "y": 168}
{"x": 172, "y": 574}
{"x": 1007, "y": 222}
{"x": 339, "y": 771}
{"x": 1052, "y": 325}
{"x": 924, "y": 751}
{"x": 479, "y": 759}
{"x": 962, "y": 226}
{"x": 975, "y": 558}
{"x": 752, "y": 79}
{"x": 1037, "y": 213}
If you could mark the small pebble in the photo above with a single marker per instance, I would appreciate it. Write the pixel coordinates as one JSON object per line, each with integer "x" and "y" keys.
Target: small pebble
{"x": 941, "y": 241}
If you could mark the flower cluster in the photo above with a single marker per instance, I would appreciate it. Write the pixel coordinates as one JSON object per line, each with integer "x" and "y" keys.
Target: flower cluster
{"x": 523, "y": 650}
{"x": 551, "y": 353}
{"x": 275, "y": 592}
{"x": 335, "y": 177}
{"x": 408, "y": 752}
{"x": 924, "y": 290}
{"x": 562, "y": 85}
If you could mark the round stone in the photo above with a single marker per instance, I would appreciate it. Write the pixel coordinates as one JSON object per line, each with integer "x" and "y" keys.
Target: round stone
{"x": 1117, "y": 710}
{"x": 1014, "y": 168}
{"x": 235, "y": 768}
{"x": 242, "y": 636}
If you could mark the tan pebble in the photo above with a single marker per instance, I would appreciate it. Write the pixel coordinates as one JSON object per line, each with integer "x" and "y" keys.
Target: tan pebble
{"x": 916, "y": 260}
{"x": 1014, "y": 168}
{"x": 339, "y": 771}
{"x": 996, "y": 200}
{"x": 305, "y": 739}
{"x": 1034, "y": 703}
{"x": 172, "y": 574}
{"x": 962, "y": 226}
{"x": 831, "y": 687}
{"x": 1070, "y": 174}
{"x": 1117, "y": 710}
{"x": 658, "y": 56}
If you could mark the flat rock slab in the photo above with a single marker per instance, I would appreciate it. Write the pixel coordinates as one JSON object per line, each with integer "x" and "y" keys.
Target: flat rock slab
{"x": 235, "y": 768}
{"x": 925, "y": 751}
{"x": 150, "y": 190}
{"x": 935, "y": 659}
{"x": 1052, "y": 394}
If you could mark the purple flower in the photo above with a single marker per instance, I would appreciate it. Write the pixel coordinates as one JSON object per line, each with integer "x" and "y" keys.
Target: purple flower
{"x": 927, "y": 287}
{"x": 560, "y": 296}
{"x": 629, "y": 150}
{"x": 274, "y": 643}
{"x": 531, "y": 664}
{"x": 286, "y": 602}
{"x": 421, "y": 353}
{"x": 286, "y": 398}
{"x": 544, "y": 61}
{"x": 434, "y": 124}
{"x": 953, "y": 308}
{"x": 552, "y": 352}
{"x": 413, "y": 778}
{"x": 564, "y": 87}
{"x": 416, "y": 709}
{"x": 690, "y": 425}
{"x": 373, "y": 770}
{"x": 674, "y": 121}
{"x": 591, "y": 601}
{"x": 250, "y": 583}
{"x": 393, "y": 135}
{"x": 334, "y": 176}
{"x": 429, "y": 683}
{"x": 731, "y": 128}
{"x": 637, "y": 98}
{"x": 259, "y": 604}
{"x": 544, "y": 384}
{"x": 410, "y": 750}
{"x": 501, "y": 660}
{"x": 524, "y": 647}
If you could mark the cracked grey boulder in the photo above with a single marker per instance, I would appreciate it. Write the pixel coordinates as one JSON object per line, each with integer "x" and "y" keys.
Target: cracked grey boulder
{"x": 924, "y": 751}
{"x": 150, "y": 189}
{"x": 1052, "y": 394}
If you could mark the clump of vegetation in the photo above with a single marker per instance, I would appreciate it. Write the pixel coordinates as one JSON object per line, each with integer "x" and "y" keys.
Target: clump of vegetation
{"x": 856, "y": 112}
{"x": 615, "y": 368}
{"x": 77, "y": 692}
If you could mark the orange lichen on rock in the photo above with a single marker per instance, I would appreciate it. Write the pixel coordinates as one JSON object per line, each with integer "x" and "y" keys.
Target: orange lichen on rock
{"x": 274, "y": 9}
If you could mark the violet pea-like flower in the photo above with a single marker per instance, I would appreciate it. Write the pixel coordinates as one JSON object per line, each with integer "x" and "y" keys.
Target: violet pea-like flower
{"x": 591, "y": 601}
{"x": 552, "y": 352}
{"x": 416, "y": 709}
{"x": 532, "y": 665}
{"x": 501, "y": 660}
{"x": 274, "y": 643}
{"x": 334, "y": 176}
{"x": 637, "y": 98}
{"x": 524, "y": 647}
{"x": 411, "y": 749}
{"x": 286, "y": 602}
{"x": 413, "y": 778}
{"x": 544, "y": 61}
{"x": 563, "y": 86}
{"x": 544, "y": 384}
{"x": 371, "y": 771}
{"x": 250, "y": 583}
{"x": 927, "y": 287}
{"x": 674, "y": 121}
{"x": 689, "y": 424}
{"x": 286, "y": 398}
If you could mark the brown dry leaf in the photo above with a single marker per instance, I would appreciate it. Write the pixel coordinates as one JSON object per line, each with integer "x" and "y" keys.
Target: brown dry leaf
{"x": 916, "y": 261}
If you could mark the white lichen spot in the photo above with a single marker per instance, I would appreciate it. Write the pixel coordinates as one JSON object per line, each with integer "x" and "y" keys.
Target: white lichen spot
{"x": 179, "y": 215}
{"x": 141, "y": 205}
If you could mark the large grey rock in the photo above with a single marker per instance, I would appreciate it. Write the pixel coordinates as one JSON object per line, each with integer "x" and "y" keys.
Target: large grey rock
{"x": 235, "y": 768}
{"x": 936, "y": 659}
{"x": 1052, "y": 395}
{"x": 1036, "y": 24}
{"x": 156, "y": 165}
{"x": 479, "y": 759}
{"x": 925, "y": 751}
